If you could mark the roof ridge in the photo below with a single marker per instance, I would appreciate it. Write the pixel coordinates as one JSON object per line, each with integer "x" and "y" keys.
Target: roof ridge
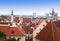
{"x": 52, "y": 24}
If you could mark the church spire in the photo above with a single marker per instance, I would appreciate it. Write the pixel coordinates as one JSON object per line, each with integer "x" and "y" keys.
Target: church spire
{"x": 12, "y": 16}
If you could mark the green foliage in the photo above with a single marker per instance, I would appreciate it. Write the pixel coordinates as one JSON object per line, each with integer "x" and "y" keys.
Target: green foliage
{"x": 2, "y": 35}
{"x": 2, "y": 16}
{"x": 11, "y": 39}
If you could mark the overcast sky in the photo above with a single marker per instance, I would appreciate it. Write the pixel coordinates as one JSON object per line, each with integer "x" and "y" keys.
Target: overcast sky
{"x": 28, "y": 7}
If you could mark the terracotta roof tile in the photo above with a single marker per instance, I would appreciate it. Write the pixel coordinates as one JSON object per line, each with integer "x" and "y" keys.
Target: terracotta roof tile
{"x": 12, "y": 31}
{"x": 27, "y": 29}
{"x": 26, "y": 20}
{"x": 38, "y": 22}
{"x": 16, "y": 19}
{"x": 49, "y": 33}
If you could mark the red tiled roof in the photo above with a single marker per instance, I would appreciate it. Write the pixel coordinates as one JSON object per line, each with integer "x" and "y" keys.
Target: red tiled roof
{"x": 27, "y": 29}
{"x": 4, "y": 21}
{"x": 49, "y": 33}
{"x": 38, "y": 22}
{"x": 12, "y": 31}
{"x": 26, "y": 20}
{"x": 16, "y": 19}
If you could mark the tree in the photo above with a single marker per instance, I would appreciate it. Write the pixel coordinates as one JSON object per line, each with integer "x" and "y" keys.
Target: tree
{"x": 2, "y": 35}
{"x": 11, "y": 39}
{"x": 3, "y": 16}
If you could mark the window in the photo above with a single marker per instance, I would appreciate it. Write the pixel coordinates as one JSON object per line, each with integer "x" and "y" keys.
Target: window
{"x": 37, "y": 33}
{"x": 40, "y": 29}
{"x": 43, "y": 25}
{"x": 12, "y": 32}
{"x": 18, "y": 39}
{"x": 46, "y": 21}
{"x": 37, "y": 23}
{"x": 9, "y": 37}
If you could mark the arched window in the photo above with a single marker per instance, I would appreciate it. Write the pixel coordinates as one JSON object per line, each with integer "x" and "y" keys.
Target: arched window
{"x": 43, "y": 25}
{"x": 37, "y": 33}
{"x": 18, "y": 39}
{"x": 40, "y": 29}
{"x": 46, "y": 21}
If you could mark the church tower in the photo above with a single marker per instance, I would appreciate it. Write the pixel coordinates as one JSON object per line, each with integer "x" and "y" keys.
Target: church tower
{"x": 11, "y": 16}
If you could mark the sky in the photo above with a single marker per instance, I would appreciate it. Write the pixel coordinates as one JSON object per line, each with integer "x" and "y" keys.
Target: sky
{"x": 28, "y": 7}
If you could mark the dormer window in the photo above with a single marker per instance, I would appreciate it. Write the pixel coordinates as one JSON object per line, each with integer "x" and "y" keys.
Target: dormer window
{"x": 43, "y": 25}
{"x": 40, "y": 29}
{"x": 46, "y": 21}
{"x": 18, "y": 39}
{"x": 37, "y": 23}
{"x": 12, "y": 32}
{"x": 37, "y": 33}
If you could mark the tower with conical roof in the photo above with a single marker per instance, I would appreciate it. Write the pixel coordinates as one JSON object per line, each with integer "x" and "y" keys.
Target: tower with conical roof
{"x": 12, "y": 19}
{"x": 11, "y": 16}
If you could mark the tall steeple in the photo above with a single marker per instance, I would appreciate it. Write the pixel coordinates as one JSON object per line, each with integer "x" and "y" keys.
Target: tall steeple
{"x": 11, "y": 15}
{"x": 12, "y": 18}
